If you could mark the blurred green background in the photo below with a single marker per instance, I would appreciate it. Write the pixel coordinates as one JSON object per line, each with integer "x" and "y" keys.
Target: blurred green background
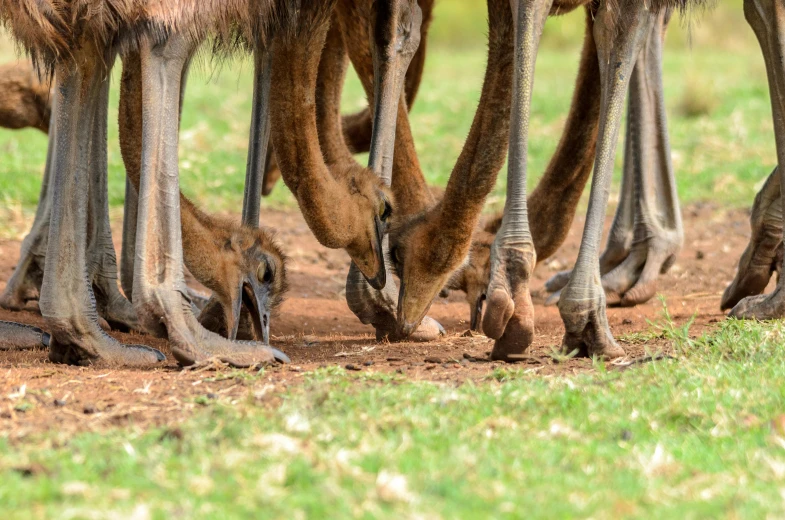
{"x": 716, "y": 91}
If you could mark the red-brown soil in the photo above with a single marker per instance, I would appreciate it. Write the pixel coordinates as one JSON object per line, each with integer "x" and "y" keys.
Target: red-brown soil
{"x": 315, "y": 328}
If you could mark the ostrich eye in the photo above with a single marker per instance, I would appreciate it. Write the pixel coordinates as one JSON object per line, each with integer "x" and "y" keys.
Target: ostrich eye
{"x": 384, "y": 210}
{"x": 263, "y": 273}
{"x": 396, "y": 255}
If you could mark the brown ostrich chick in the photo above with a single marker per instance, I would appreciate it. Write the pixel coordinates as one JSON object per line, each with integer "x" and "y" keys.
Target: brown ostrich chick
{"x": 24, "y": 97}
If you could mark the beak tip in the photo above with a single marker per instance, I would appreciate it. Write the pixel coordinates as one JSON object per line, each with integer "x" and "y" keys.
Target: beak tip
{"x": 379, "y": 281}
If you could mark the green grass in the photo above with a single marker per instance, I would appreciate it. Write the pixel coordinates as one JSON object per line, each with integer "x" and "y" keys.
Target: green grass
{"x": 684, "y": 438}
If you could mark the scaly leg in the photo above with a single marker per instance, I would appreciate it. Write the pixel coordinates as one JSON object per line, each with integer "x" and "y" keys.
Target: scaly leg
{"x": 767, "y": 18}
{"x": 509, "y": 315}
{"x": 764, "y": 254}
{"x": 25, "y": 282}
{"x": 647, "y": 231}
{"x": 14, "y": 336}
{"x": 259, "y": 136}
{"x": 619, "y": 39}
{"x": 101, "y": 256}
{"x": 160, "y": 294}
{"x": 131, "y": 113}
{"x": 67, "y": 301}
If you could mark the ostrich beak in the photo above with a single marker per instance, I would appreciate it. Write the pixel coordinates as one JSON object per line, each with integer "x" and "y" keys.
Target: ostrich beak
{"x": 379, "y": 280}
{"x": 256, "y": 298}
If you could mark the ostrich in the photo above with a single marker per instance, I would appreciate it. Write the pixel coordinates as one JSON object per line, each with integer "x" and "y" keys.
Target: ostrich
{"x": 254, "y": 259}
{"x": 347, "y": 212}
{"x": 78, "y": 172}
{"x": 509, "y": 317}
{"x": 647, "y": 231}
{"x": 764, "y": 253}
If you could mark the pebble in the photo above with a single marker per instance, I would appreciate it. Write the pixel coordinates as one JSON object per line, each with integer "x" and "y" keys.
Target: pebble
{"x": 59, "y": 402}
{"x": 89, "y": 409}
{"x": 368, "y": 363}
{"x": 435, "y": 360}
{"x": 626, "y": 321}
{"x": 353, "y": 367}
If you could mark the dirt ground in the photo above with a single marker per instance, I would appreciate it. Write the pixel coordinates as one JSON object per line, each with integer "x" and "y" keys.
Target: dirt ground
{"x": 316, "y": 329}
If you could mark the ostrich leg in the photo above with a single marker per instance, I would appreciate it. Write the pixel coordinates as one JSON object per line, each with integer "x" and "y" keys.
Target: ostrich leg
{"x": 509, "y": 316}
{"x": 160, "y": 295}
{"x": 67, "y": 301}
{"x": 647, "y": 231}
{"x": 14, "y": 336}
{"x": 101, "y": 256}
{"x": 130, "y": 111}
{"x": 767, "y": 18}
{"x": 259, "y": 137}
{"x": 582, "y": 304}
{"x": 764, "y": 254}
{"x": 129, "y": 239}
{"x": 25, "y": 282}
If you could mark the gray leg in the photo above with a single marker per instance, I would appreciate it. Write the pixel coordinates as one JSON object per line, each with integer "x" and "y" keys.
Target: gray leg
{"x": 767, "y": 18}
{"x": 67, "y": 301}
{"x": 25, "y": 282}
{"x": 509, "y": 315}
{"x": 14, "y": 336}
{"x": 764, "y": 254}
{"x": 101, "y": 256}
{"x": 619, "y": 41}
{"x": 259, "y": 137}
{"x": 160, "y": 294}
{"x": 129, "y": 240}
{"x": 647, "y": 231}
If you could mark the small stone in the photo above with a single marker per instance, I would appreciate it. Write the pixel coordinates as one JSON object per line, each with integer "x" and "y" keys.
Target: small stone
{"x": 700, "y": 255}
{"x": 417, "y": 364}
{"x": 211, "y": 395}
{"x": 400, "y": 371}
{"x": 89, "y": 409}
{"x": 309, "y": 341}
{"x": 368, "y": 363}
{"x": 445, "y": 365}
{"x": 430, "y": 367}
{"x": 626, "y": 321}
{"x": 59, "y": 402}
{"x": 434, "y": 360}
{"x": 626, "y": 435}
{"x": 353, "y": 367}
{"x": 468, "y": 356}
{"x": 393, "y": 359}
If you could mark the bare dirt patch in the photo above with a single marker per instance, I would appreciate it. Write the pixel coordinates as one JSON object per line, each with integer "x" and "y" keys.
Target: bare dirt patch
{"x": 315, "y": 327}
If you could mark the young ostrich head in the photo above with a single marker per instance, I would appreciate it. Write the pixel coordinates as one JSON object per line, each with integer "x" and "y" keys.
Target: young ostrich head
{"x": 243, "y": 266}
{"x": 346, "y": 208}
